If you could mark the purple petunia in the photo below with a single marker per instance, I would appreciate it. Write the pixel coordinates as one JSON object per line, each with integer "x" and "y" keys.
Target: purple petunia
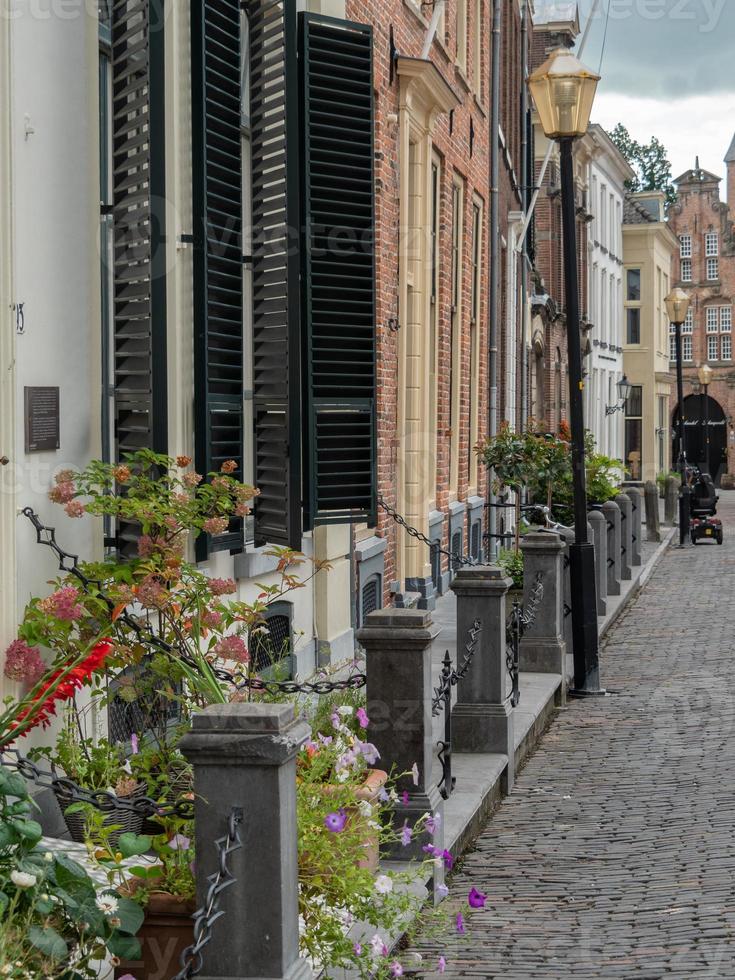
{"x": 368, "y": 751}
{"x": 358, "y": 949}
{"x": 460, "y": 923}
{"x": 396, "y": 970}
{"x": 179, "y": 842}
{"x": 433, "y": 823}
{"x": 441, "y": 891}
{"x": 134, "y": 743}
{"x": 441, "y": 965}
{"x": 404, "y": 797}
{"x": 476, "y": 899}
{"x": 406, "y": 835}
{"x": 362, "y": 718}
{"x": 335, "y": 822}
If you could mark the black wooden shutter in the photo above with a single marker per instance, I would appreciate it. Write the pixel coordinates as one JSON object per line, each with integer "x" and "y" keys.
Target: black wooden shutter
{"x": 276, "y": 263}
{"x": 218, "y": 280}
{"x": 338, "y": 278}
{"x": 139, "y": 263}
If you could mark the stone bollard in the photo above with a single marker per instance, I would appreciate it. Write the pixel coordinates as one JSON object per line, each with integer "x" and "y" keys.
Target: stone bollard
{"x": 482, "y": 718}
{"x": 599, "y": 537}
{"x": 626, "y": 536}
{"x": 244, "y": 755}
{"x": 399, "y": 693}
{"x": 653, "y": 525}
{"x": 636, "y": 500}
{"x": 543, "y": 650}
{"x": 611, "y": 512}
{"x": 671, "y": 501}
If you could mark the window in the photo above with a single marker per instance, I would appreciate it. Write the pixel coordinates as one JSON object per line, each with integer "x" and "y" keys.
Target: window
{"x": 713, "y": 269}
{"x": 456, "y": 327}
{"x": 271, "y": 644}
{"x": 634, "y": 326}
{"x": 727, "y": 347}
{"x": 725, "y": 319}
{"x": 477, "y": 212}
{"x": 711, "y": 244}
{"x": 712, "y": 345}
{"x": 633, "y": 306}
{"x": 634, "y": 285}
{"x": 672, "y": 348}
{"x": 685, "y": 246}
{"x": 634, "y": 431}
{"x": 436, "y": 182}
{"x": 477, "y": 75}
{"x": 686, "y": 270}
{"x": 686, "y": 349}
{"x": 688, "y": 325}
{"x": 462, "y": 35}
{"x": 712, "y": 319}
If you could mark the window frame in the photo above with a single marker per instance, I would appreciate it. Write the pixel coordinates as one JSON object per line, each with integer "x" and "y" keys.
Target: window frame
{"x": 687, "y": 270}
{"x": 685, "y": 246}
{"x": 711, "y": 245}
{"x": 713, "y": 265}
{"x": 713, "y": 347}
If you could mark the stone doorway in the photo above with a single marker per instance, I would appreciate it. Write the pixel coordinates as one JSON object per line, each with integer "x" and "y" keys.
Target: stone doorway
{"x": 696, "y": 409}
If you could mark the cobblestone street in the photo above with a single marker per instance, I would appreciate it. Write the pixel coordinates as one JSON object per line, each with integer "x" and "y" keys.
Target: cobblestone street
{"x": 615, "y": 854}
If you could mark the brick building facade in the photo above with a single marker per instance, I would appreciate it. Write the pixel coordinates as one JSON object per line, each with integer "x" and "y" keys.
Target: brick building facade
{"x": 705, "y": 268}
{"x": 432, "y": 137}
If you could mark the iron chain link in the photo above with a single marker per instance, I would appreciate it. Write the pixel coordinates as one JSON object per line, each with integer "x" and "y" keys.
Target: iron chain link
{"x": 413, "y": 532}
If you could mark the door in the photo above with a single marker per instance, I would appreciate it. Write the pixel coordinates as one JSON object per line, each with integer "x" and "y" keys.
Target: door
{"x": 705, "y": 434}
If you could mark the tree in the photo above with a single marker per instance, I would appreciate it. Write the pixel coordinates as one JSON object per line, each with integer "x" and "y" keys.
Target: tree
{"x": 650, "y": 162}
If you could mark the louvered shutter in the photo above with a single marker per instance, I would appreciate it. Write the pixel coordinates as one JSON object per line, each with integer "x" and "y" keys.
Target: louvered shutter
{"x": 139, "y": 262}
{"x": 218, "y": 279}
{"x": 274, "y": 116}
{"x": 338, "y": 270}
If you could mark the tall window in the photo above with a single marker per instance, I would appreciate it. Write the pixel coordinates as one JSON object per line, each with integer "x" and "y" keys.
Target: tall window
{"x": 688, "y": 325}
{"x": 712, "y": 345}
{"x": 456, "y": 327}
{"x": 685, "y": 246}
{"x": 634, "y": 431}
{"x": 713, "y": 269}
{"x": 633, "y": 306}
{"x": 686, "y": 350}
{"x": 106, "y": 233}
{"x": 462, "y": 35}
{"x": 477, "y": 75}
{"x": 726, "y": 347}
{"x": 711, "y": 244}
{"x": 712, "y": 319}
{"x": 477, "y": 212}
{"x": 672, "y": 346}
{"x": 726, "y": 319}
{"x": 434, "y": 321}
{"x": 686, "y": 270}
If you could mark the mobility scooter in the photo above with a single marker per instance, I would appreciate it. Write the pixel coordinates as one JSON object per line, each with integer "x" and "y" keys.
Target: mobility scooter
{"x": 704, "y": 525}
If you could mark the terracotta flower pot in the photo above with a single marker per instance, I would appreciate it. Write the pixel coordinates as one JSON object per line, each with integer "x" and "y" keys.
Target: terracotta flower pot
{"x": 374, "y": 782}
{"x": 167, "y": 930}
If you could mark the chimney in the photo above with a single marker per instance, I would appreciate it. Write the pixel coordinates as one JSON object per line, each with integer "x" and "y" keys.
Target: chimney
{"x": 730, "y": 161}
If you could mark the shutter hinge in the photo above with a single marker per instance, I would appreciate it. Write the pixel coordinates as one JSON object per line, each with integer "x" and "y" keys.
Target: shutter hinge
{"x": 184, "y": 240}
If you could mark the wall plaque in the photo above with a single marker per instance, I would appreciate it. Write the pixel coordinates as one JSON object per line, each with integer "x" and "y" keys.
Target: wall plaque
{"x": 41, "y": 419}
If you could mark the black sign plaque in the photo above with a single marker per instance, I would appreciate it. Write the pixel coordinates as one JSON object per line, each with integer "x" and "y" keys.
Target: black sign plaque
{"x": 41, "y": 419}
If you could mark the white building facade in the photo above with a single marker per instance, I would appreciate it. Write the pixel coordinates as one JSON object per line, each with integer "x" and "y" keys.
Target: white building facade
{"x": 607, "y": 173}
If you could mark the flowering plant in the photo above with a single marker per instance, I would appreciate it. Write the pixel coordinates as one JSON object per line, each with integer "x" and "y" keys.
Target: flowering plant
{"x": 53, "y": 920}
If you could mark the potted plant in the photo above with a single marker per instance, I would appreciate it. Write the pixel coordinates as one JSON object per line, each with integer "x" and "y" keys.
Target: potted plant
{"x": 514, "y": 459}
{"x": 511, "y": 563}
{"x": 54, "y": 920}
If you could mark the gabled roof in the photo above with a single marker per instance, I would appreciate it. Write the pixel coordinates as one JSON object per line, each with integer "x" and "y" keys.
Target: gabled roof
{"x": 634, "y": 213}
{"x": 730, "y": 158}
{"x": 697, "y": 175}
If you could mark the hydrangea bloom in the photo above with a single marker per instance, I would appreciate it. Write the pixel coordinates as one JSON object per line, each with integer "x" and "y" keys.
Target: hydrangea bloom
{"x": 222, "y": 586}
{"x": 63, "y": 604}
{"x": 23, "y": 663}
{"x": 232, "y": 647}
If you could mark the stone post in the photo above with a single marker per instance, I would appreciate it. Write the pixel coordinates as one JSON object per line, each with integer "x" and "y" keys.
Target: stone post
{"x": 636, "y": 499}
{"x": 611, "y": 512}
{"x": 482, "y": 718}
{"x": 244, "y": 755}
{"x": 543, "y": 650}
{"x": 653, "y": 526}
{"x": 626, "y": 536}
{"x": 397, "y": 643}
{"x": 599, "y": 537}
{"x": 671, "y": 501}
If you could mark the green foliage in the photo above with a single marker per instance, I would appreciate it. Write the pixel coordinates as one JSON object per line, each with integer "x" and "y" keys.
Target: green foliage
{"x": 512, "y": 564}
{"x": 650, "y": 162}
{"x": 54, "y": 922}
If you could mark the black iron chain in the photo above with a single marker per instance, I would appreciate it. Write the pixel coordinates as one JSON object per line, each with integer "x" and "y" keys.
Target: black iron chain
{"x": 204, "y": 919}
{"x": 413, "y": 532}
{"x": 518, "y": 622}
{"x": 450, "y": 677}
{"x": 68, "y": 792}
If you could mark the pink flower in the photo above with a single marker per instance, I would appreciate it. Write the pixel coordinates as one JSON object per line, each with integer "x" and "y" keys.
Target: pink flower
{"x": 406, "y": 835}
{"x": 75, "y": 508}
{"x": 63, "y": 492}
{"x": 151, "y": 593}
{"x": 242, "y": 510}
{"x": 63, "y": 604}
{"x": 229, "y": 466}
{"x": 476, "y": 899}
{"x": 146, "y": 546}
{"x": 460, "y": 924}
{"x": 232, "y": 647}
{"x": 335, "y": 822}
{"x": 368, "y": 751}
{"x": 441, "y": 965}
{"x": 378, "y": 946}
{"x": 191, "y": 480}
{"x": 23, "y": 663}
{"x": 212, "y": 619}
{"x": 362, "y": 717}
{"x": 441, "y": 891}
{"x": 396, "y": 970}
{"x": 216, "y": 525}
{"x": 179, "y": 842}
{"x": 357, "y": 949}
{"x": 222, "y": 586}
{"x": 128, "y": 976}
{"x": 433, "y": 823}
{"x": 404, "y": 797}
{"x": 134, "y": 743}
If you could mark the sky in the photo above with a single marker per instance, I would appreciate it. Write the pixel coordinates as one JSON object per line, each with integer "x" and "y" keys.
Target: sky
{"x": 667, "y": 71}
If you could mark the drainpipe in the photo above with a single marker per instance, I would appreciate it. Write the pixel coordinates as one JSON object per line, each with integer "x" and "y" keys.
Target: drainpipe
{"x": 493, "y": 310}
{"x": 525, "y": 182}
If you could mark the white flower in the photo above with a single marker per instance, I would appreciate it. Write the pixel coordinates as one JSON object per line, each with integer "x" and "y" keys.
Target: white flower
{"x": 345, "y": 710}
{"x": 106, "y": 903}
{"x": 342, "y": 775}
{"x": 415, "y": 774}
{"x": 7, "y": 969}
{"x": 21, "y": 879}
{"x": 393, "y": 796}
{"x": 366, "y": 808}
{"x": 48, "y": 856}
{"x": 383, "y": 885}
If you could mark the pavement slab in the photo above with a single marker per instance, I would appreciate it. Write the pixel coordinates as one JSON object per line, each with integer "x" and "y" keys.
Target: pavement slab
{"x": 614, "y": 856}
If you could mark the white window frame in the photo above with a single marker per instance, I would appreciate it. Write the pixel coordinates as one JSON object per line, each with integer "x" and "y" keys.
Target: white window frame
{"x": 726, "y": 347}
{"x": 686, "y": 270}
{"x": 713, "y": 269}
{"x": 712, "y": 319}
{"x": 688, "y": 325}
{"x": 687, "y": 354}
{"x": 726, "y": 319}
{"x": 713, "y": 345}
{"x": 672, "y": 347}
{"x": 711, "y": 244}
{"x": 685, "y": 246}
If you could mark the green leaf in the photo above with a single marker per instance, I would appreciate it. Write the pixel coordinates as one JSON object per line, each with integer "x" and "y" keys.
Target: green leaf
{"x": 126, "y": 947}
{"x": 131, "y": 916}
{"x": 7, "y": 836}
{"x": 30, "y": 830}
{"x": 15, "y": 785}
{"x": 75, "y": 808}
{"x": 133, "y": 845}
{"x": 48, "y": 942}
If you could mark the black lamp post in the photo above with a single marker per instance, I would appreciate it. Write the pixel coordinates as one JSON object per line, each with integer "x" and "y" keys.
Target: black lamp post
{"x": 563, "y": 91}
{"x": 705, "y": 375}
{"x": 677, "y": 307}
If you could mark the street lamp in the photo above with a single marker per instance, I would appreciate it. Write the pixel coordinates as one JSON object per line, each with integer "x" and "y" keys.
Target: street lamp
{"x": 563, "y": 91}
{"x": 677, "y": 307}
{"x": 705, "y": 375}
{"x": 624, "y": 386}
